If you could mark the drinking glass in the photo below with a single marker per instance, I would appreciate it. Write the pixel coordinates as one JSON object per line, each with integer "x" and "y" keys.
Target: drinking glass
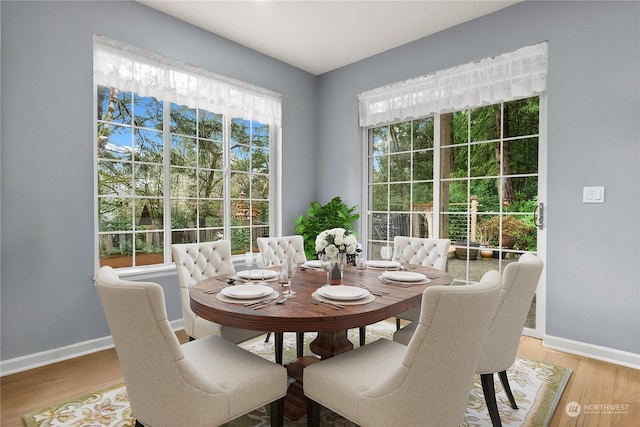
{"x": 328, "y": 262}
{"x": 342, "y": 263}
{"x": 385, "y": 254}
{"x": 260, "y": 265}
{"x": 292, "y": 267}
{"x": 283, "y": 277}
{"x": 248, "y": 262}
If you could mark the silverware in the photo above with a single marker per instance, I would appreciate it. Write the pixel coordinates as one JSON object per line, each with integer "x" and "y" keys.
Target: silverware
{"x": 330, "y": 304}
{"x": 391, "y": 282}
{"x": 374, "y": 292}
{"x": 257, "y": 307}
{"x": 282, "y": 300}
{"x": 212, "y": 291}
{"x": 263, "y": 301}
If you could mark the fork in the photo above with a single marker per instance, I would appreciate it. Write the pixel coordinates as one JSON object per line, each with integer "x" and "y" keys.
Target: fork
{"x": 330, "y": 304}
{"x": 374, "y": 292}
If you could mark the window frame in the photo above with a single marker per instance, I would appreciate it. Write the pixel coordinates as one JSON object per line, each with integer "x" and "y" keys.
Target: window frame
{"x": 274, "y": 199}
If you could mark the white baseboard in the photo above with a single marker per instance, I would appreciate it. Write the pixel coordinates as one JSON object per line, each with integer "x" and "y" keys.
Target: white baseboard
{"x": 606, "y": 354}
{"x": 35, "y": 360}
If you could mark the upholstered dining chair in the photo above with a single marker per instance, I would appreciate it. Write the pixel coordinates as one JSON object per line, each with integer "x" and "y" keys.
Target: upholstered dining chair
{"x": 423, "y": 384}
{"x": 519, "y": 283}
{"x": 205, "y": 382}
{"x": 420, "y": 251}
{"x": 199, "y": 261}
{"x": 273, "y": 250}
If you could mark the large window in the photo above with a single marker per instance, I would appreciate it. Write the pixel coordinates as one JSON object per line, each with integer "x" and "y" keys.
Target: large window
{"x": 171, "y": 172}
{"x": 475, "y": 182}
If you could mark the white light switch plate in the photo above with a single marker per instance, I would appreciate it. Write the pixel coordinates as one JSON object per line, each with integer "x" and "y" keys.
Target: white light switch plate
{"x": 593, "y": 195}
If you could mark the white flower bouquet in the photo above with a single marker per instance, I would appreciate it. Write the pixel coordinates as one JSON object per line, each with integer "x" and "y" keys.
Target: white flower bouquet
{"x": 335, "y": 241}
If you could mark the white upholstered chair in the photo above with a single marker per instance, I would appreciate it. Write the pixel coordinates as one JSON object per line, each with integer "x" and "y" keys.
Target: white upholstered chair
{"x": 519, "y": 283}
{"x": 274, "y": 249}
{"x": 423, "y": 384}
{"x": 199, "y": 261}
{"x": 205, "y": 382}
{"x": 420, "y": 251}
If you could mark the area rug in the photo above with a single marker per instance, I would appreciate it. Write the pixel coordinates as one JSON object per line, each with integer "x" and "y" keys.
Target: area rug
{"x": 536, "y": 386}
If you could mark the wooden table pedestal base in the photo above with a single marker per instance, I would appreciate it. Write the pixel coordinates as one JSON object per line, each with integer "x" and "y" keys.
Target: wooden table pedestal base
{"x": 295, "y": 404}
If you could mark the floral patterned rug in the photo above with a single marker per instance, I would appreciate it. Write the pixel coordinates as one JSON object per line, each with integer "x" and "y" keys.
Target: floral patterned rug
{"x": 536, "y": 386}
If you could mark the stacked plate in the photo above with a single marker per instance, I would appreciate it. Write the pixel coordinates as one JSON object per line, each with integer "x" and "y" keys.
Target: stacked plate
{"x": 343, "y": 293}
{"x": 382, "y": 264}
{"x": 313, "y": 263}
{"x": 408, "y": 277}
{"x": 246, "y": 292}
{"x": 257, "y": 274}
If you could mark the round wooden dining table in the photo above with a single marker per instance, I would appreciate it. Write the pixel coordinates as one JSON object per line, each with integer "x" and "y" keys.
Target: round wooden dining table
{"x": 302, "y": 314}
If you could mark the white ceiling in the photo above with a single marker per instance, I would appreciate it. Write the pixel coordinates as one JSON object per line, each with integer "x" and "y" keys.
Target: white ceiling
{"x": 320, "y": 36}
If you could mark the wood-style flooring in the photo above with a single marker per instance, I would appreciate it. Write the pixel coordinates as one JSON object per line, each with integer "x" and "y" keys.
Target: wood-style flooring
{"x": 593, "y": 384}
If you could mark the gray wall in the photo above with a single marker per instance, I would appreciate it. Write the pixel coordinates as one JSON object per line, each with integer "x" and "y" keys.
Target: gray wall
{"x": 593, "y": 256}
{"x": 48, "y": 297}
{"x": 593, "y": 277}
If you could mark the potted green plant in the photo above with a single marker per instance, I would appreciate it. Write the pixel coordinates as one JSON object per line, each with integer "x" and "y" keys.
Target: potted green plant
{"x": 334, "y": 214}
{"x": 512, "y": 229}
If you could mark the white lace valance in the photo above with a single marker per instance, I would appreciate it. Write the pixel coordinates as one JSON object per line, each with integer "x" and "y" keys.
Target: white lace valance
{"x": 510, "y": 76}
{"x": 129, "y": 68}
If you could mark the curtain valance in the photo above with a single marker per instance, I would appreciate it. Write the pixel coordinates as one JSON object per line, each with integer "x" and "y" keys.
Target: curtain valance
{"x": 129, "y": 68}
{"x": 506, "y": 77}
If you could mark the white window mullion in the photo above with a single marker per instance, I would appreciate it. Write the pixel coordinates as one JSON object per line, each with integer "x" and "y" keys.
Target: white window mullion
{"x": 166, "y": 139}
{"x": 436, "y": 176}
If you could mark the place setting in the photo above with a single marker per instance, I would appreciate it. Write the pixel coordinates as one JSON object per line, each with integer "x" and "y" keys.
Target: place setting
{"x": 247, "y": 294}
{"x": 341, "y": 295}
{"x": 403, "y": 278}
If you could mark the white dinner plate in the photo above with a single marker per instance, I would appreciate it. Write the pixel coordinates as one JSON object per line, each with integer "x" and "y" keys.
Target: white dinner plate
{"x": 403, "y": 276}
{"x": 246, "y": 291}
{"x": 383, "y": 264}
{"x": 257, "y": 274}
{"x": 314, "y": 263}
{"x": 343, "y": 293}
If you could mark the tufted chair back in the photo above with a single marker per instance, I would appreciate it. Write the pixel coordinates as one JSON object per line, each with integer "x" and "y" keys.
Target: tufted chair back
{"x": 274, "y": 249}
{"x": 199, "y": 261}
{"x": 420, "y": 251}
{"x": 416, "y": 250}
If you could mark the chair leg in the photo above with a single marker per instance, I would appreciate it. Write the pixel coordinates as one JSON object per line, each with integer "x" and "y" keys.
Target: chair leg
{"x": 276, "y": 412}
{"x": 490, "y": 398}
{"x": 139, "y": 424}
{"x": 267, "y": 337}
{"x": 191, "y": 339}
{"x": 397, "y": 324}
{"x": 313, "y": 413}
{"x": 299, "y": 344}
{"x": 507, "y": 388}
{"x": 363, "y": 335}
{"x": 278, "y": 346}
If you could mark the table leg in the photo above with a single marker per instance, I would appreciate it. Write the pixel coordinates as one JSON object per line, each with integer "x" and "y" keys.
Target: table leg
{"x": 329, "y": 344}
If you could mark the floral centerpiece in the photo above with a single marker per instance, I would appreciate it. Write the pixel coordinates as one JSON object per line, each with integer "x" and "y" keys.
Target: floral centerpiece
{"x": 335, "y": 241}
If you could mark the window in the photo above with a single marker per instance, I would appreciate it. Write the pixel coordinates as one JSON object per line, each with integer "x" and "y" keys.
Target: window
{"x": 482, "y": 167}
{"x": 178, "y": 172}
{"x": 455, "y": 155}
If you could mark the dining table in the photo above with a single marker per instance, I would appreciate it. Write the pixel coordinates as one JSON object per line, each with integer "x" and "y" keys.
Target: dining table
{"x": 304, "y": 314}
{"x": 385, "y": 290}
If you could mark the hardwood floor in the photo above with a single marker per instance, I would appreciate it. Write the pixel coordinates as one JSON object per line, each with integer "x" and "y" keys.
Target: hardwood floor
{"x": 593, "y": 385}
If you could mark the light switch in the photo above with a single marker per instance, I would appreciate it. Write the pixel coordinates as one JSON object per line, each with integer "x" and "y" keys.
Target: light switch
{"x": 593, "y": 195}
